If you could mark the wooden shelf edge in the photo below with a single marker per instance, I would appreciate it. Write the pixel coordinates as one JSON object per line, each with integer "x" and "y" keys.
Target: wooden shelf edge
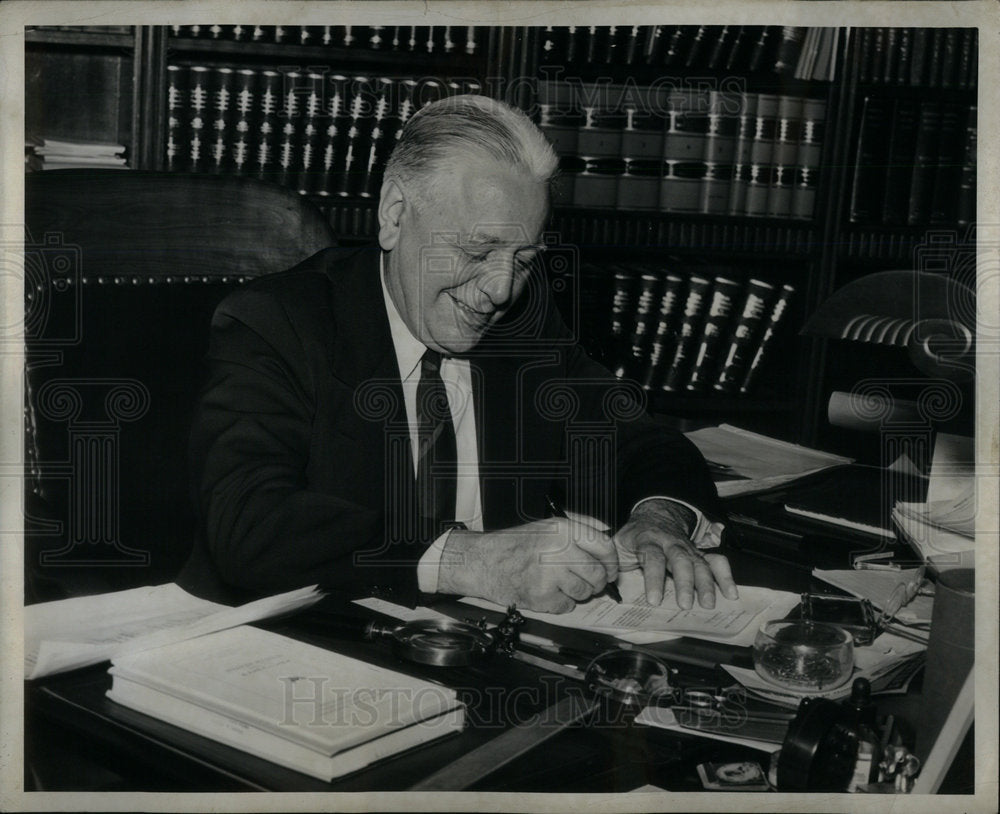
{"x": 83, "y": 39}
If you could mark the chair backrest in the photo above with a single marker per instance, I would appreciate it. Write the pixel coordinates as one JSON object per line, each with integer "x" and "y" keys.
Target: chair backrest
{"x": 123, "y": 272}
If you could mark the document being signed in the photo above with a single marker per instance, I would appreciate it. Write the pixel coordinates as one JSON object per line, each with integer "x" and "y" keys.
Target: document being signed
{"x": 731, "y": 621}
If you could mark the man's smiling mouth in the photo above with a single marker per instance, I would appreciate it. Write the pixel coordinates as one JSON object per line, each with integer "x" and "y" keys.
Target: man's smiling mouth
{"x": 469, "y": 310}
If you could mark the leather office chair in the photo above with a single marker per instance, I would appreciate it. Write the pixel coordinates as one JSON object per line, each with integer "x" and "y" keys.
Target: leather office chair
{"x": 123, "y": 271}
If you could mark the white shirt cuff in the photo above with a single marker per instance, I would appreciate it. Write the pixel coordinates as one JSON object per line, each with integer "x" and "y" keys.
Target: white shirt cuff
{"x": 705, "y": 533}
{"x": 430, "y": 564}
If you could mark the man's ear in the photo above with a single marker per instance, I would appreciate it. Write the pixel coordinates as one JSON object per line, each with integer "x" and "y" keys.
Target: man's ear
{"x": 390, "y": 211}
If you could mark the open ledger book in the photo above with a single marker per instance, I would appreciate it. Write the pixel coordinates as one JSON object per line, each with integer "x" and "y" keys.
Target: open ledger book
{"x": 295, "y": 704}
{"x": 85, "y": 630}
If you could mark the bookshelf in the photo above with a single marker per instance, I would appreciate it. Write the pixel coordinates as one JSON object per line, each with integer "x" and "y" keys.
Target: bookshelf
{"x": 800, "y": 232}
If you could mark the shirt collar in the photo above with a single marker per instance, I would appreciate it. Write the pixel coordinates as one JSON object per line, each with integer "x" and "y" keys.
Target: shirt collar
{"x": 409, "y": 349}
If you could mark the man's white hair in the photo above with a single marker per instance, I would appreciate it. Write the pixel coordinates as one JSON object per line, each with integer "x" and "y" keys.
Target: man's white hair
{"x": 439, "y": 134}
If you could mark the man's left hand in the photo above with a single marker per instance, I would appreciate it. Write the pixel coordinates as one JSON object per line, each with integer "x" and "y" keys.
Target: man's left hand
{"x": 655, "y": 539}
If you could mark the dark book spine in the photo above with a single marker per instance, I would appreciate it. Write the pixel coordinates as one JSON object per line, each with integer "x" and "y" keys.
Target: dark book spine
{"x": 260, "y": 33}
{"x": 761, "y": 151}
{"x": 902, "y": 147}
{"x": 591, "y": 43}
{"x": 697, "y": 51}
{"x": 918, "y": 59}
{"x": 623, "y": 295}
{"x": 935, "y": 54}
{"x": 903, "y": 64}
{"x": 308, "y": 35}
{"x": 221, "y": 116}
{"x": 948, "y": 172}
{"x": 199, "y": 114}
{"x": 376, "y": 37}
{"x": 741, "y": 161}
{"x": 891, "y": 56}
{"x": 290, "y": 115}
{"x": 808, "y": 158}
{"x": 614, "y": 44}
{"x": 722, "y": 46}
{"x": 738, "y": 52}
{"x": 763, "y": 47}
{"x": 869, "y": 162}
{"x": 632, "y": 47}
{"x": 653, "y": 46}
{"x": 268, "y": 129}
{"x": 690, "y": 331}
{"x": 664, "y": 338}
{"x": 599, "y": 143}
{"x": 245, "y": 107}
{"x": 744, "y": 337}
{"x": 346, "y": 166}
{"x": 924, "y": 163}
{"x": 784, "y": 155}
{"x": 767, "y": 339}
{"x": 309, "y": 170}
{"x": 966, "y": 204}
{"x": 949, "y": 57}
{"x": 865, "y": 36}
{"x": 643, "y": 326}
{"x": 877, "y": 54}
{"x": 178, "y": 132}
{"x": 471, "y": 40}
{"x": 382, "y": 130}
{"x": 684, "y": 149}
{"x": 703, "y": 367}
{"x": 971, "y": 74}
{"x": 334, "y": 132}
{"x": 572, "y": 44}
{"x": 720, "y": 151}
{"x": 676, "y": 45}
{"x": 789, "y": 49}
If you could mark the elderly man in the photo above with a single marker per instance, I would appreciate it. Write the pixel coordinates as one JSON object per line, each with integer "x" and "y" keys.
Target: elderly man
{"x": 401, "y": 420}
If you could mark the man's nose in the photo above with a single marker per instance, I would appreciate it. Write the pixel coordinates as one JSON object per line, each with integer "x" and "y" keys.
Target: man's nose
{"x": 497, "y": 281}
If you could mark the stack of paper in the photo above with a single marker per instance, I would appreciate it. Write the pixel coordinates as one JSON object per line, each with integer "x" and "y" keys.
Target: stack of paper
{"x": 295, "y": 704}
{"x": 60, "y": 154}
{"x": 743, "y": 462}
{"x": 85, "y": 630}
{"x": 943, "y": 528}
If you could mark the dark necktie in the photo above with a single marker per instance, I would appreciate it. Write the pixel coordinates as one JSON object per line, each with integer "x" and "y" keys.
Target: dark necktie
{"x": 436, "y": 452}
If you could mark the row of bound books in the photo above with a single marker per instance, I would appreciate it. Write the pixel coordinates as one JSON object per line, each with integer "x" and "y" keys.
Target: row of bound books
{"x": 919, "y": 57}
{"x": 417, "y": 39}
{"x": 915, "y": 163}
{"x": 318, "y": 133}
{"x": 792, "y": 50}
{"x": 684, "y": 150}
{"x": 703, "y": 330}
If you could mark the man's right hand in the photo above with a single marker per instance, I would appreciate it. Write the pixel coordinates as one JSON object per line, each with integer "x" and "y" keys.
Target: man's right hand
{"x": 547, "y": 565}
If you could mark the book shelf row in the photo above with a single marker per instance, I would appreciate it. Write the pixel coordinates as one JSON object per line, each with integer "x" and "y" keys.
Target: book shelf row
{"x": 320, "y": 134}
{"x": 704, "y": 329}
{"x": 919, "y": 57}
{"x": 715, "y": 152}
{"x": 416, "y": 39}
{"x": 806, "y": 53}
{"x": 924, "y": 172}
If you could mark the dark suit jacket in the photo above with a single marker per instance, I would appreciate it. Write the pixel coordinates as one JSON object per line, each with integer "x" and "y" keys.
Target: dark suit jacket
{"x": 302, "y": 469}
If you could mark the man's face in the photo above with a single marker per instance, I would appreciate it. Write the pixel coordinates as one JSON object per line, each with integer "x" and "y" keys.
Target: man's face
{"x": 460, "y": 260}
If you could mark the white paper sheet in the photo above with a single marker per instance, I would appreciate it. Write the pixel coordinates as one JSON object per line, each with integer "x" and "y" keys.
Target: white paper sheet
{"x": 81, "y": 631}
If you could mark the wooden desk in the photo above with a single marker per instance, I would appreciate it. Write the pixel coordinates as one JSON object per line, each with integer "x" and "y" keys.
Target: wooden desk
{"x": 605, "y": 752}
{"x": 103, "y": 745}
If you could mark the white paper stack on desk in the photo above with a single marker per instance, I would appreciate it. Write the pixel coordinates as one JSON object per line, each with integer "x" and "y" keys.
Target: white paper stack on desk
{"x": 743, "y": 462}
{"x": 300, "y": 706}
{"x": 943, "y": 528}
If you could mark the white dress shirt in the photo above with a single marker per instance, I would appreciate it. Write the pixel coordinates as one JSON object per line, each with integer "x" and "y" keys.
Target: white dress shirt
{"x": 457, "y": 378}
